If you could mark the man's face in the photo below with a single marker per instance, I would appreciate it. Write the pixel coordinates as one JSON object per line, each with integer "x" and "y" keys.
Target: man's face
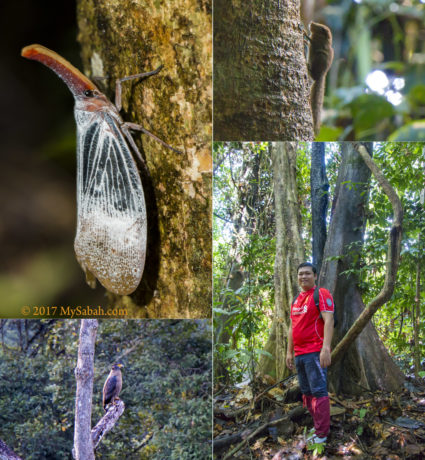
{"x": 306, "y": 278}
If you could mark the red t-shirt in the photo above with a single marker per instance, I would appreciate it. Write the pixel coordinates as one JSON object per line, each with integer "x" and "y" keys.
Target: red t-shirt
{"x": 307, "y": 325}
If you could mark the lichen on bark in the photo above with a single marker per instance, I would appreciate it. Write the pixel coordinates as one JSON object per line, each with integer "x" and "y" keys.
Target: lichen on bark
{"x": 125, "y": 37}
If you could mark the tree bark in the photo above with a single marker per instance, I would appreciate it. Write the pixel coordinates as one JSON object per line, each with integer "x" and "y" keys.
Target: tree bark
{"x": 261, "y": 84}
{"x": 366, "y": 362}
{"x": 319, "y": 201}
{"x": 107, "y": 422}
{"x": 84, "y": 372}
{"x": 289, "y": 254}
{"x": 133, "y": 36}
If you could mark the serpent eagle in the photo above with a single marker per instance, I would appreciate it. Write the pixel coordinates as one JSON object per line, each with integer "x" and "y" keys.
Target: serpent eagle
{"x": 112, "y": 386}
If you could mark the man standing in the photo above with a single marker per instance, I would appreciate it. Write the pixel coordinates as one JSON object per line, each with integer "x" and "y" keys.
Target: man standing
{"x": 310, "y": 336}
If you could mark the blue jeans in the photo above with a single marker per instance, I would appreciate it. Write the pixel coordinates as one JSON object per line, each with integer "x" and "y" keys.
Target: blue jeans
{"x": 311, "y": 377}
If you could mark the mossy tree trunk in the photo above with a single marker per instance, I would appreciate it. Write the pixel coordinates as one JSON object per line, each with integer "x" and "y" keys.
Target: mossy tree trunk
{"x": 289, "y": 254}
{"x": 261, "y": 83}
{"x": 126, "y": 37}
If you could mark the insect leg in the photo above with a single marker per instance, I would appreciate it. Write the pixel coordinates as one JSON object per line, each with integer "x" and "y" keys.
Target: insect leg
{"x": 133, "y": 145}
{"x": 118, "y": 89}
{"x": 145, "y": 131}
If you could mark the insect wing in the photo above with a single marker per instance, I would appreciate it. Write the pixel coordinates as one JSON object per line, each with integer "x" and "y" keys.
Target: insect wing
{"x": 110, "y": 242}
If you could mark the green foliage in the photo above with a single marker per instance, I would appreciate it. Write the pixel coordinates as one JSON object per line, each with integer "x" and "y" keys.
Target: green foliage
{"x": 304, "y": 193}
{"x": 361, "y": 413}
{"x": 366, "y": 110}
{"x": 244, "y": 237}
{"x": 413, "y": 131}
{"x": 250, "y": 309}
{"x": 36, "y": 410}
{"x": 166, "y": 389}
{"x": 316, "y": 448}
{"x": 403, "y": 165}
{"x": 372, "y": 36}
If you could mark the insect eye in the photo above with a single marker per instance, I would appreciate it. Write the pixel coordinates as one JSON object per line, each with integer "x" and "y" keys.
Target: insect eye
{"x": 89, "y": 93}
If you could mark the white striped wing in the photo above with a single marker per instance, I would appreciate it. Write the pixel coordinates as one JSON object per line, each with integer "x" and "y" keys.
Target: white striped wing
{"x": 111, "y": 223}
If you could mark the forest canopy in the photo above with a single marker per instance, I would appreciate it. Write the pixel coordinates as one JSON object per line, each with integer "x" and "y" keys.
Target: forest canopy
{"x": 166, "y": 387}
{"x": 245, "y": 246}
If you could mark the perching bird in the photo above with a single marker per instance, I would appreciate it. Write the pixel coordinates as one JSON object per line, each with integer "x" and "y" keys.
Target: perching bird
{"x": 112, "y": 386}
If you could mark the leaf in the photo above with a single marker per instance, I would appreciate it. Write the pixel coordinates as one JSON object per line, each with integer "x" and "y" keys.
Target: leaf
{"x": 244, "y": 395}
{"x": 414, "y": 131}
{"x": 377, "y": 429}
{"x": 221, "y": 311}
{"x": 277, "y": 394}
{"x": 317, "y": 448}
{"x": 328, "y": 134}
{"x": 228, "y": 354}
{"x": 259, "y": 443}
{"x": 416, "y": 95}
{"x": 337, "y": 410}
{"x": 259, "y": 351}
{"x": 368, "y": 111}
{"x": 413, "y": 449}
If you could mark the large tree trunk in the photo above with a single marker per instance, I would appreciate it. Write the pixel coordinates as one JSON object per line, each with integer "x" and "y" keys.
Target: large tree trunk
{"x": 319, "y": 201}
{"x": 392, "y": 262}
{"x": 261, "y": 84}
{"x": 289, "y": 254}
{"x": 367, "y": 363}
{"x": 133, "y": 36}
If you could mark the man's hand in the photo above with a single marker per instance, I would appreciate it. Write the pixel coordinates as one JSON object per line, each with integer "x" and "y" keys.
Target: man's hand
{"x": 325, "y": 357}
{"x": 290, "y": 361}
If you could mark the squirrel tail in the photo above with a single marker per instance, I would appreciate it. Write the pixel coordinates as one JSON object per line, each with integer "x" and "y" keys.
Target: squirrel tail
{"x": 317, "y": 96}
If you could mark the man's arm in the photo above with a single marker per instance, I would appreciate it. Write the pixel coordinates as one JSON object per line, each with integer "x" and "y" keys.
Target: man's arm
{"x": 290, "y": 350}
{"x": 325, "y": 354}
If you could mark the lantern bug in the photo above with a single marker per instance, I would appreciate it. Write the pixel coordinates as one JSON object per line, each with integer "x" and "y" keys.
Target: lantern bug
{"x": 110, "y": 242}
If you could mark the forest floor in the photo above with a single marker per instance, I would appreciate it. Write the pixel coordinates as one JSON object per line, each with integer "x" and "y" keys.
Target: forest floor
{"x": 266, "y": 420}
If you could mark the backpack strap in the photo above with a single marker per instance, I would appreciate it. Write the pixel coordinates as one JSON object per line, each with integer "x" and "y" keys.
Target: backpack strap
{"x": 316, "y": 298}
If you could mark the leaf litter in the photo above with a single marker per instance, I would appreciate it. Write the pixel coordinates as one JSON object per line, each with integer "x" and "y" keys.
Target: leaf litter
{"x": 265, "y": 420}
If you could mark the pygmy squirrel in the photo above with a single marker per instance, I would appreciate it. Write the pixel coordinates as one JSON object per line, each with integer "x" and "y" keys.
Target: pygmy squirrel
{"x": 320, "y": 59}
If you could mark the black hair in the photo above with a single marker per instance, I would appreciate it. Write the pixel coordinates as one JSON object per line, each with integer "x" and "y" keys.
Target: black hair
{"x": 307, "y": 264}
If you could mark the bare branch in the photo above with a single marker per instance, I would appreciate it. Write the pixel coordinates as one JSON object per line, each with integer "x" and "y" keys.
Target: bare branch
{"x": 107, "y": 422}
